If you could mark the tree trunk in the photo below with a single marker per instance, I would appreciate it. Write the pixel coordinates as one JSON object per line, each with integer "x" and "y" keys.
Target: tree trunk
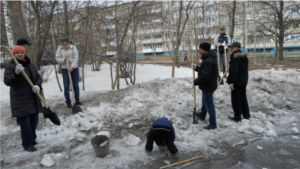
{"x": 66, "y": 21}
{"x": 231, "y": 31}
{"x": 281, "y": 30}
{"x": 179, "y": 33}
{"x": 7, "y": 16}
{"x": 40, "y": 41}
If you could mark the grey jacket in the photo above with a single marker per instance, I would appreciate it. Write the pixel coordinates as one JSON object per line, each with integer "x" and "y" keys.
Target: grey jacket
{"x": 72, "y": 53}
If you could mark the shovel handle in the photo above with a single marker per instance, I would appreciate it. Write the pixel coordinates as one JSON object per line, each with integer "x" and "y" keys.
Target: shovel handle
{"x": 71, "y": 82}
{"x": 26, "y": 77}
{"x": 181, "y": 162}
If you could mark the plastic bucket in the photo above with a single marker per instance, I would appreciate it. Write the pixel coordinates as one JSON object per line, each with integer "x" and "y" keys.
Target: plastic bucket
{"x": 100, "y": 144}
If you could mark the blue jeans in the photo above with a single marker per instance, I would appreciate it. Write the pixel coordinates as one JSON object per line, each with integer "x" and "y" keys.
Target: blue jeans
{"x": 28, "y": 127}
{"x": 222, "y": 60}
{"x": 208, "y": 106}
{"x": 75, "y": 80}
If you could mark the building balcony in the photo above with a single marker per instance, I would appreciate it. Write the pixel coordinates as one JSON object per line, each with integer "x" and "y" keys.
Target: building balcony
{"x": 157, "y": 50}
{"x": 110, "y": 53}
{"x": 150, "y": 31}
{"x": 149, "y": 41}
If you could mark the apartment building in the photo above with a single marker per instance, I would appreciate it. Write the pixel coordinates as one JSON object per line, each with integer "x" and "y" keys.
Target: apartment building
{"x": 154, "y": 32}
{"x": 205, "y": 20}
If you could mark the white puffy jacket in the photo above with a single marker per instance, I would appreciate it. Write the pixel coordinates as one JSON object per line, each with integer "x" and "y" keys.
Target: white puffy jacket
{"x": 72, "y": 53}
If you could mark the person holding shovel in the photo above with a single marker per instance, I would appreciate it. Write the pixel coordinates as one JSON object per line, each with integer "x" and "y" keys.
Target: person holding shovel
{"x": 25, "y": 105}
{"x": 207, "y": 82}
{"x": 66, "y": 51}
{"x": 219, "y": 40}
{"x": 163, "y": 134}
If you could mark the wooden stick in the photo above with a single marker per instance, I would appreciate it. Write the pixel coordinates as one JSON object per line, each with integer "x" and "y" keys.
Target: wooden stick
{"x": 71, "y": 82}
{"x": 224, "y": 75}
{"x": 194, "y": 112}
{"x": 26, "y": 77}
{"x": 218, "y": 55}
{"x": 181, "y": 162}
{"x": 225, "y": 55}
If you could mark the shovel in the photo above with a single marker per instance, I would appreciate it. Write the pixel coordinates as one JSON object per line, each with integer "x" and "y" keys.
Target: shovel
{"x": 194, "y": 112}
{"x": 218, "y": 59}
{"x": 46, "y": 110}
{"x": 75, "y": 108}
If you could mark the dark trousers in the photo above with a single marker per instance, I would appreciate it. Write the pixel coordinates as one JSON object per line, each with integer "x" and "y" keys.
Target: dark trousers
{"x": 75, "y": 79}
{"x": 239, "y": 102}
{"x": 222, "y": 59}
{"x": 28, "y": 127}
{"x": 161, "y": 138}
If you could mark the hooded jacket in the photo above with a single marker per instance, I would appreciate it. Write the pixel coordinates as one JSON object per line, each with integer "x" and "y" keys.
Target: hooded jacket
{"x": 207, "y": 72}
{"x": 164, "y": 124}
{"x": 238, "y": 68}
{"x": 23, "y": 101}
{"x": 72, "y": 53}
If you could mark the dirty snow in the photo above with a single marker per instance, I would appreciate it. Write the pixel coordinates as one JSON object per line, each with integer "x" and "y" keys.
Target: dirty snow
{"x": 126, "y": 116}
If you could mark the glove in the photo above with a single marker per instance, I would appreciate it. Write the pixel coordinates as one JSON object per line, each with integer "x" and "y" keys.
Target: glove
{"x": 193, "y": 66}
{"x": 36, "y": 89}
{"x": 19, "y": 69}
{"x": 231, "y": 86}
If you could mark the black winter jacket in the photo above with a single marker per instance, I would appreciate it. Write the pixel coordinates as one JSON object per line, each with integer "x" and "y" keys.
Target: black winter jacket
{"x": 23, "y": 101}
{"x": 207, "y": 72}
{"x": 238, "y": 68}
{"x": 221, "y": 39}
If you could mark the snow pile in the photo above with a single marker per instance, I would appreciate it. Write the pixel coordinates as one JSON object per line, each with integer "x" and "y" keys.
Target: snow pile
{"x": 126, "y": 115}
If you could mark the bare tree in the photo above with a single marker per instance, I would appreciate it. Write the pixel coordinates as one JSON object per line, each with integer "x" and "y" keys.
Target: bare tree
{"x": 174, "y": 25}
{"x": 277, "y": 20}
{"x": 125, "y": 54}
{"x": 42, "y": 10}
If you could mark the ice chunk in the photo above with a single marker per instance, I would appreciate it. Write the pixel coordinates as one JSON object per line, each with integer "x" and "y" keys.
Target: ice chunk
{"x": 295, "y": 137}
{"x": 259, "y": 147}
{"x": 130, "y": 125}
{"x": 105, "y": 133}
{"x": 132, "y": 140}
{"x": 257, "y": 129}
{"x": 271, "y": 133}
{"x": 167, "y": 162}
{"x": 103, "y": 144}
{"x": 295, "y": 130}
{"x": 48, "y": 160}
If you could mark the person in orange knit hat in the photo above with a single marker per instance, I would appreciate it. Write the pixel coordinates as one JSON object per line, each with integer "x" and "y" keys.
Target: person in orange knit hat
{"x": 25, "y": 104}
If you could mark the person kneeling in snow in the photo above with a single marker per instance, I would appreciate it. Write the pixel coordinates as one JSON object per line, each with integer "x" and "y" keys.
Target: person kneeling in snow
{"x": 163, "y": 133}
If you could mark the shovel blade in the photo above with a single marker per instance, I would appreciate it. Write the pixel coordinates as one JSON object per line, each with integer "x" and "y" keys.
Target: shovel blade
{"x": 51, "y": 115}
{"x": 76, "y": 109}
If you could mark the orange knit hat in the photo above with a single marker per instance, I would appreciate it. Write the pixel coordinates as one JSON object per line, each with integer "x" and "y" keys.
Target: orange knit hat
{"x": 18, "y": 48}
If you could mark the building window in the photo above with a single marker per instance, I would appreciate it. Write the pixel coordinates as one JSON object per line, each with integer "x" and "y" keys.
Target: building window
{"x": 147, "y": 37}
{"x": 140, "y": 47}
{"x": 158, "y": 36}
{"x": 223, "y": 18}
{"x": 237, "y": 29}
{"x": 236, "y": 40}
{"x": 237, "y": 17}
{"x": 250, "y": 3}
{"x": 249, "y": 15}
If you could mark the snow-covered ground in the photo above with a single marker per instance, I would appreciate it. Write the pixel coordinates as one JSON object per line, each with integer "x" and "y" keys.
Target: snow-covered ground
{"x": 128, "y": 113}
